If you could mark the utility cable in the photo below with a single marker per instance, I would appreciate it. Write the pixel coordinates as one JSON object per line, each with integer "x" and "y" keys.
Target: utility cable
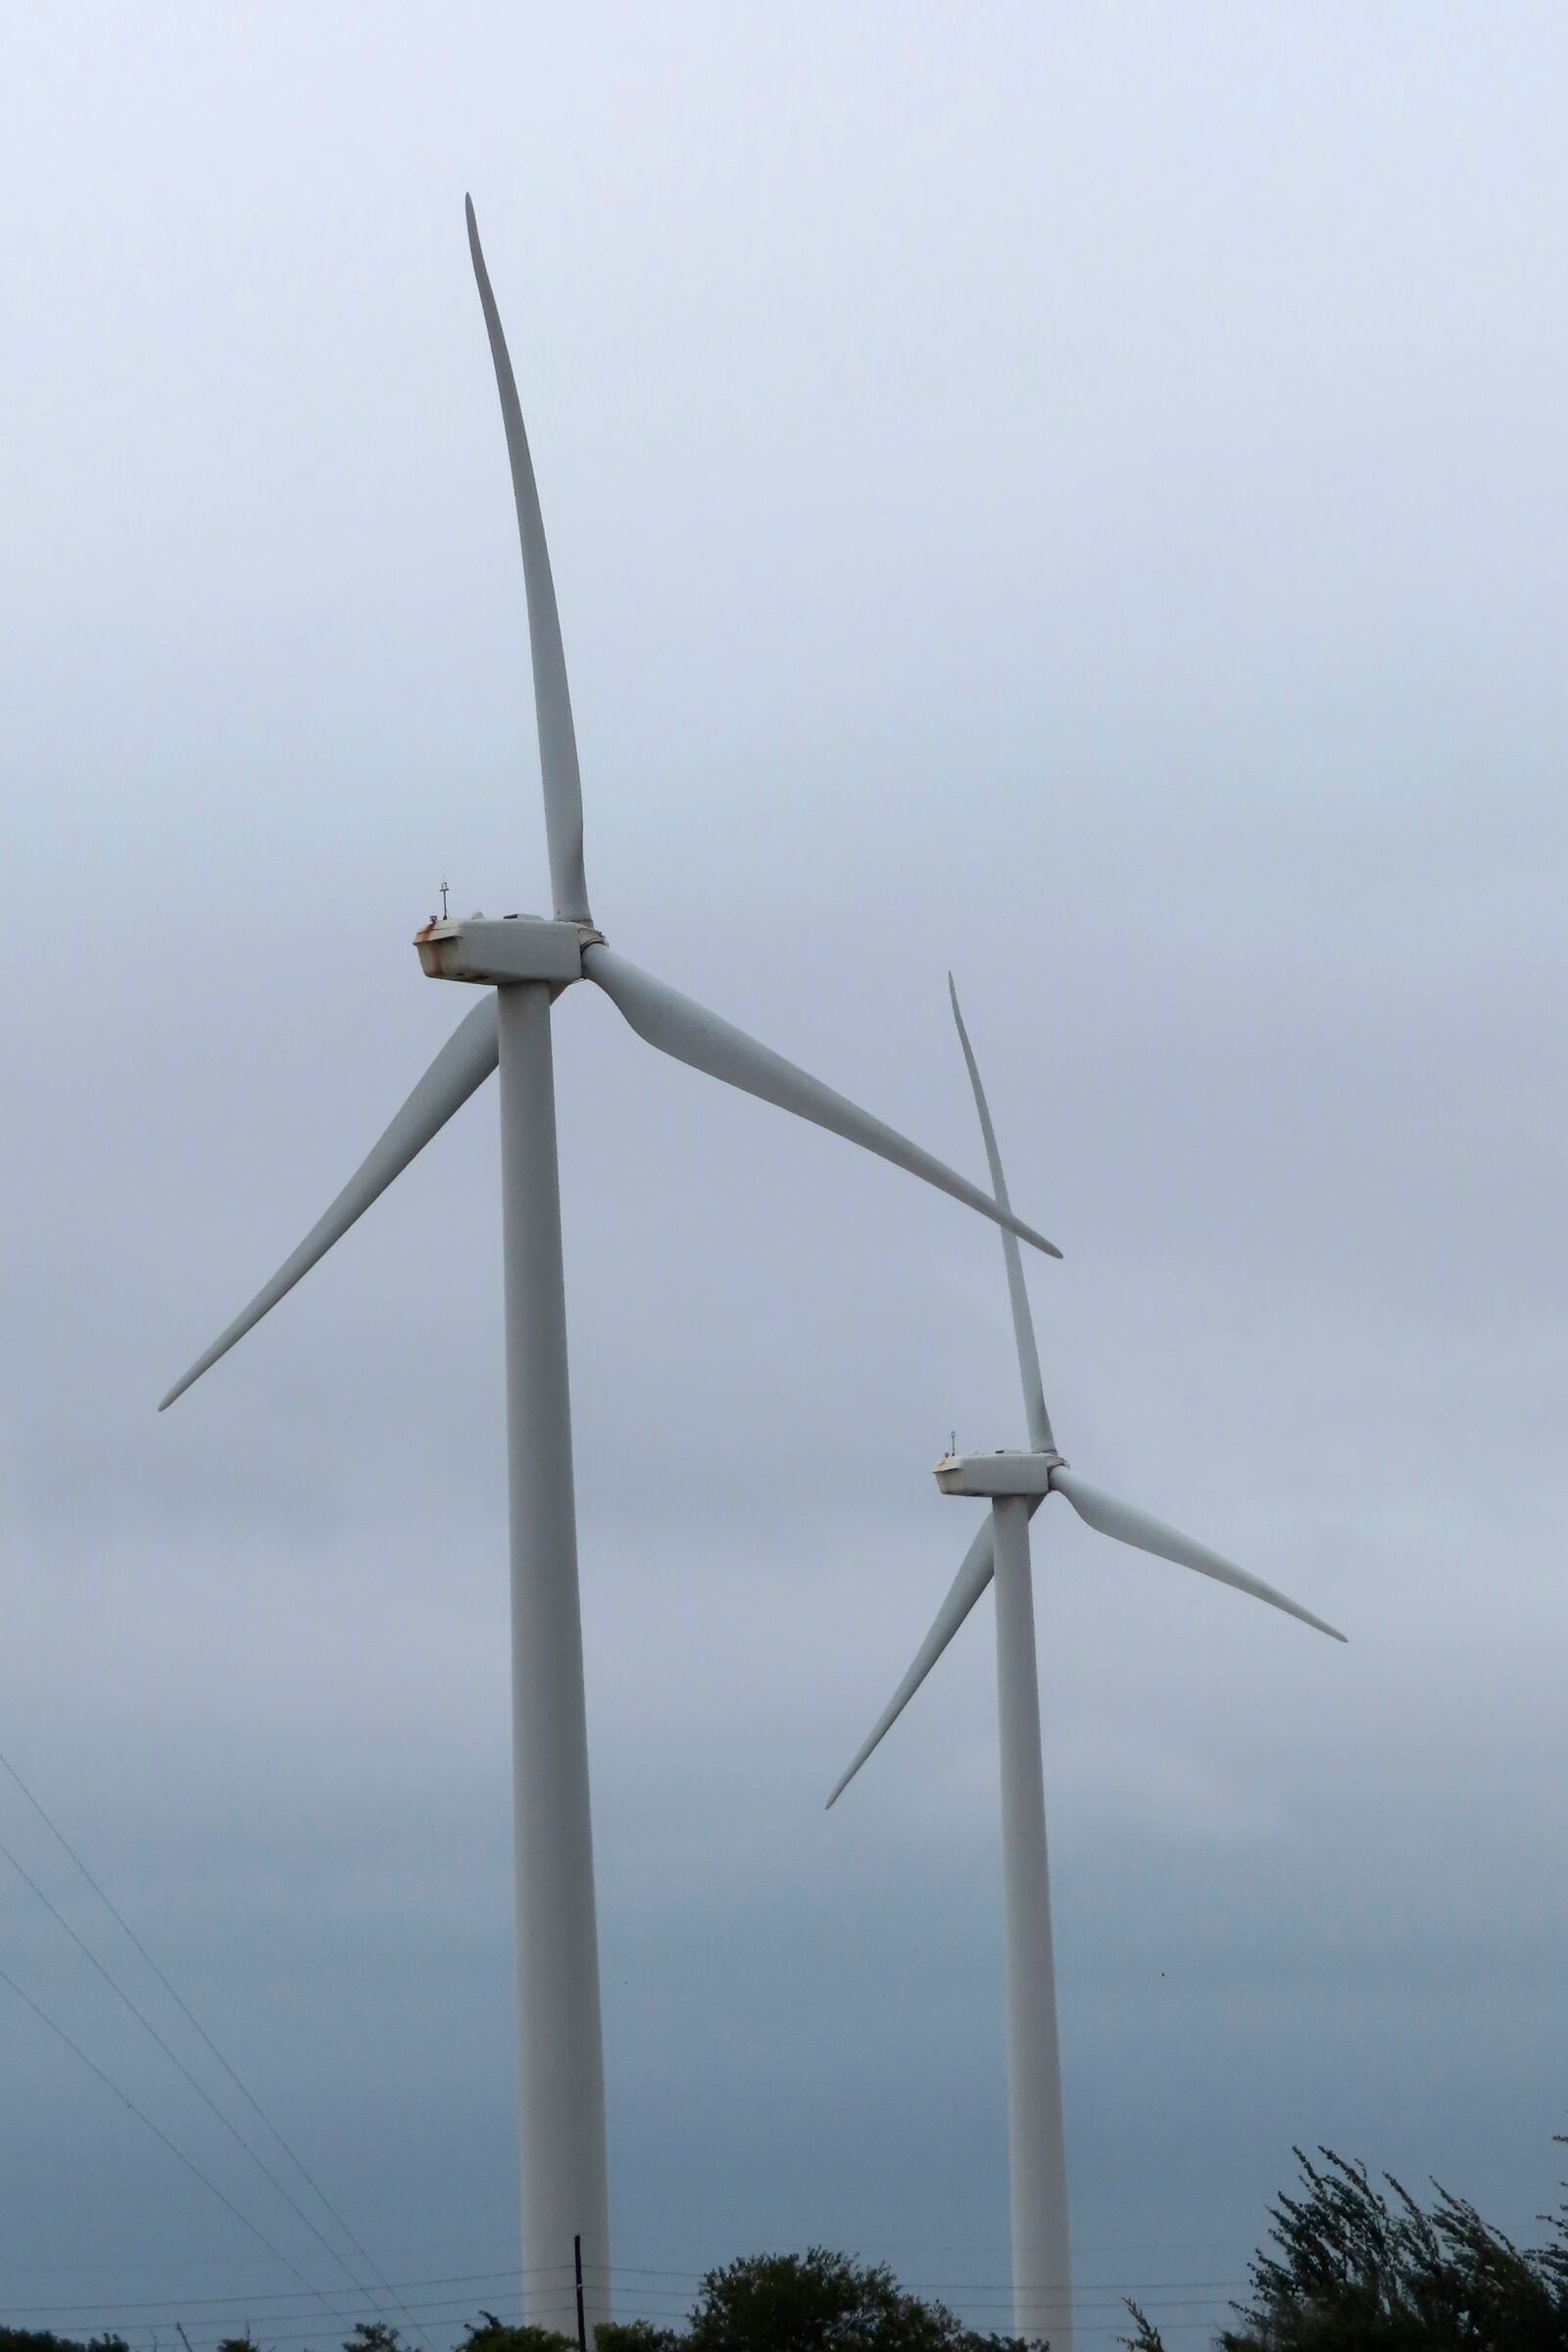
{"x": 246, "y": 2094}
{"x": 1171, "y": 2295}
{"x": 174, "y": 2150}
{"x": 484, "y": 2279}
{"x": 175, "y": 2060}
{"x": 624, "y": 2276}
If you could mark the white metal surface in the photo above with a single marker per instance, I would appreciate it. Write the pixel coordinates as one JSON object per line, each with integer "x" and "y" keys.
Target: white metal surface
{"x": 679, "y": 1026}
{"x": 1127, "y": 1525}
{"x": 464, "y": 1064}
{"x": 1001, "y": 1473}
{"x": 561, "y": 2067}
{"x": 974, "y": 1574}
{"x": 1023, "y": 1326}
{"x": 552, "y": 697}
{"x": 520, "y": 947}
{"x": 1042, "y": 2288}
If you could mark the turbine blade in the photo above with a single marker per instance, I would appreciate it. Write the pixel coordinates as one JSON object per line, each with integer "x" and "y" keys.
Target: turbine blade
{"x": 966, "y": 1588}
{"x": 664, "y": 1019}
{"x": 1023, "y": 1329}
{"x": 463, "y": 1063}
{"x": 558, "y": 741}
{"x": 1108, "y": 1517}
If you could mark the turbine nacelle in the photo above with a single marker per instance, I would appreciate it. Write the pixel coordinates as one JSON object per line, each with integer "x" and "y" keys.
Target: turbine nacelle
{"x": 999, "y": 1474}
{"x": 496, "y": 954}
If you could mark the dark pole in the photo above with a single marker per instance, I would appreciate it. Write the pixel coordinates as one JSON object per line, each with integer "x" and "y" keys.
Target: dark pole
{"x": 583, "y": 2324}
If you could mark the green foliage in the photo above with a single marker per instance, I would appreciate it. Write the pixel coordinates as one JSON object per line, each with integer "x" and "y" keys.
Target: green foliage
{"x": 42, "y": 2339}
{"x": 487, "y": 2334}
{"x": 1359, "y": 2267}
{"x": 1146, "y": 2336}
{"x": 822, "y": 2302}
{"x": 812, "y": 2302}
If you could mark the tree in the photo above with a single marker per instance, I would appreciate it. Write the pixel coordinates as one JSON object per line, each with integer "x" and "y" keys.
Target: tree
{"x": 1146, "y": 2336}
{"x": 1372, "y": 2271}
{"x": 1354, "y": 2267}
{"x": 823, "y": 2302}
{"x": 43, "y": 2339}
{"x": 487, "y": 2334}
{"x": 371, "y": 2335}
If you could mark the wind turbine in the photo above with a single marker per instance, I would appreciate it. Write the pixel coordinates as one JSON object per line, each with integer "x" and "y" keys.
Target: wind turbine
{"x": 522, "y": 962}
{"x": 1015, "y": 1485}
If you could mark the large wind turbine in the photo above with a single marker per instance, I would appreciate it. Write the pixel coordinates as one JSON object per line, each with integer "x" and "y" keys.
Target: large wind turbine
{"x": 522, "y": 962}
{"x": 1015, "y": 1485}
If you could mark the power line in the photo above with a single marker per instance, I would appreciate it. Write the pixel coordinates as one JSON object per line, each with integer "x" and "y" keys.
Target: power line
{"x": 159, "y": 2132}
{"x": 178, "y": 2062}
{"x": 623, "y": 2274}
{"x": 278, "y": 2295}
{"x": 644, "y": 2270}
{"x": 194, "y": 2021}
{"x": 1169, "y": 2293}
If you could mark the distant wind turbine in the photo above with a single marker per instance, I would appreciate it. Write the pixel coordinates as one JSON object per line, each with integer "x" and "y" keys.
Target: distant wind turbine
{"x": 1015, "y": 1485}
{"x": 522, "y": 962}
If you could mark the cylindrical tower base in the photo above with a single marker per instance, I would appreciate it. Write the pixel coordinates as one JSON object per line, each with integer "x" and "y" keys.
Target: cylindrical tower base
{"x": 561, "y": 2067}
{"x": 1042, "y": 2275}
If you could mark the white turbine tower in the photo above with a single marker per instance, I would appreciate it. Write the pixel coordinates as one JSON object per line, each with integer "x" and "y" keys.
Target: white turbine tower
{"x": 1015, "y": 1485}
{"x": 522, "y": 962}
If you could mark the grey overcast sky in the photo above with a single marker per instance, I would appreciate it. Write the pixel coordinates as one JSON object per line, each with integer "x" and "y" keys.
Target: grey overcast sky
{"x": 1077, "y": 495}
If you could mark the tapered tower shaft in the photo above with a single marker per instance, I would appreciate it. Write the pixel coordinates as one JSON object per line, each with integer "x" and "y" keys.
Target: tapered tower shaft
{"x": 1042, "y": 2291}
{"x": 560, "y": 2065}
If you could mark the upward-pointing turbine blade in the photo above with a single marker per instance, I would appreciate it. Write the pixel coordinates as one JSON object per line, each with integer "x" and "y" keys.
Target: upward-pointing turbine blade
{"x": 966, "y": 1590}
{"x": 1023, "y": 1329}
{"x": 464, "y": 1064}
{"x": 557, "y": 739}
{"x": 1108, "y": 1517}
{"x": 677, "y": 1026}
